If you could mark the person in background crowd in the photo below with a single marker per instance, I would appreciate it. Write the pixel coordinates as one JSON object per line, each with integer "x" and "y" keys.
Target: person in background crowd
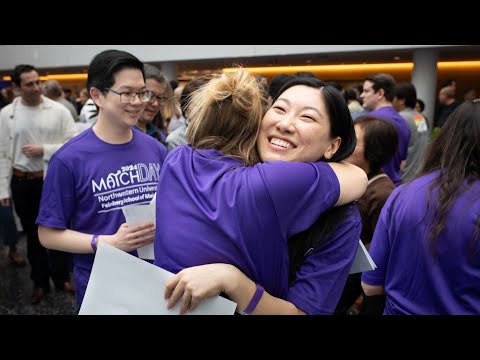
{"x": 67, "y": 93}
{"x": 353, "y": 104}
{"x": 448, "y": 103}
{"x": 53, "y": 90}
{"x": 419, "y": 106}
{"x": 81, "y": 100}
{"x": 157, "y": 84}
{"x": 177, "y": 137}
{"x": 426, "y": 246}
{"x": 32, "y": 128}
{"x": 404, "y": 101}
{"x": 470, "y": 94}
{"x": 378, "y": 93}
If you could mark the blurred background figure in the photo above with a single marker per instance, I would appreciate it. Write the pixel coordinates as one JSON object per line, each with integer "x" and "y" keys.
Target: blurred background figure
{"x": 89, "y": 112}
{"x": 171, "y": 112}
{"x": 67, "y": 94}
{"x": 378, "y": 93}
{"x": 419, "y": 106}
{"x": 404, "y": 102}
{"x": 32, "y": 128}
{"x": 83, "y": 96}
{"x": 352, "y": 101}
{"x": 448, "y": 103}
{"x": 7, "y": 96}
{"x": 276, "y": 84}
{"x": 53, "y": 90}
{"x": 155, "y": 82}
{"x": 177, "y": 136}
{"x": 470, "y": 94}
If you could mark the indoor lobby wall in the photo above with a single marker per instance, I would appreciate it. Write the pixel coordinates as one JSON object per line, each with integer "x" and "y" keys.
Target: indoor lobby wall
{"x": 48, "y": 56}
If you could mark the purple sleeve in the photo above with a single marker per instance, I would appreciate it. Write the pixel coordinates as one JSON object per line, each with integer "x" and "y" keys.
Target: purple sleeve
{"x": 58, "y": 196}
{"x": 322, "y": 276}
{"x": 300, "y": 192}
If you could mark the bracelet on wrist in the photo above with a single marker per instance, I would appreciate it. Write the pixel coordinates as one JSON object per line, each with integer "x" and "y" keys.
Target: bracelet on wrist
{"x": 94, "y": 242}
{"x": 254, "y": 301}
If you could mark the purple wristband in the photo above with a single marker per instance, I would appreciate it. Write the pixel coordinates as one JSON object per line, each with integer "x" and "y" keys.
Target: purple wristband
{"x": 93, "y": 243}
{"x": 255, "y": 299}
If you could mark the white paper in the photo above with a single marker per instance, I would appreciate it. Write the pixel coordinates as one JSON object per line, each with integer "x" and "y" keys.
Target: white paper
{"x": 122, "y": 284}
{"x": 363, "y": 262}
{"x": 138, "y": 215}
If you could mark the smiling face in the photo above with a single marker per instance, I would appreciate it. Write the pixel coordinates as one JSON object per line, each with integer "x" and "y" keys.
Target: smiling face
{"x": 152, "y": 108}
{"x": 111, "y": 108}
{"x": 297, "y": 128}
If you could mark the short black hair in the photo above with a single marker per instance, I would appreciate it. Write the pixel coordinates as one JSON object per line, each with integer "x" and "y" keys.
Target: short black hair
{"x": 407, "y": 92}
{"x": 104, "y": 66}
{"x": 447, "y": 82}
{"x": 19, "y": 70}
{"x": 422, "y": 104}
{"x": 277, "y": 82}
{"x": 173, "y": 84}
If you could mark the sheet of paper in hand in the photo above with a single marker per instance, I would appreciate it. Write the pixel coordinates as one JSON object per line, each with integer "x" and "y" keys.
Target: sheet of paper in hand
{"x": 138, "y": 215}
{"x": 121, "y": 284}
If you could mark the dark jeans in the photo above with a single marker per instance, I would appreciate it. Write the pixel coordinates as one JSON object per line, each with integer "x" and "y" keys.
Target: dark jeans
{"x": 8, "y": 228}
{"x": 27, "y": 195}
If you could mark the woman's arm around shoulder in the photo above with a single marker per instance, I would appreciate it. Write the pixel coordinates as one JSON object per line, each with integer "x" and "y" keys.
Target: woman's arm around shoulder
{"x": 353, "y": 181}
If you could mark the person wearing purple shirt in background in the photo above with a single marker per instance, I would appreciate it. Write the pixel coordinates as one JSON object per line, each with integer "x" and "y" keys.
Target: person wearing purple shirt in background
{"x": 427, "y": 241}
{"x": 106, "y": 167}
{"x": 378, "y": 93}
{"x": 236, "y": 214}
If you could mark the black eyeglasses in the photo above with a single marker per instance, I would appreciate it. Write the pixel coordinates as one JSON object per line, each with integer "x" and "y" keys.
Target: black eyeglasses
{"x": 160, "y": 99}
{"x": 129, "y": 97}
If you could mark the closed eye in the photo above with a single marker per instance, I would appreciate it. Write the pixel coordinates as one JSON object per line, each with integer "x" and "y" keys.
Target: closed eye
{"x": 279, "y": 109}
{"x": 308, "y": 118}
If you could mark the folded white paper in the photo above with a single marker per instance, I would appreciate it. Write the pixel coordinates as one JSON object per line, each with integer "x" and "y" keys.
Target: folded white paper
{"x": 138, "y": 215}
{"x": 363, "y": 262}
{"x": 122, "y": 284}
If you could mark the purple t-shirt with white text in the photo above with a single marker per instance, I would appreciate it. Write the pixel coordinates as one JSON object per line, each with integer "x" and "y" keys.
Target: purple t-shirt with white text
{"x": 216, "y": 210}
{"x": 87, "y": 183}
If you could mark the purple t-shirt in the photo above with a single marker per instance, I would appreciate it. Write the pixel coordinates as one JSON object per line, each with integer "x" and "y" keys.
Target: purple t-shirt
{"x": 87, "y": 183}
{"x": 392, "y": 169}
{"x": 215, "y": 210}
{"x": 416, "y": 283}
{"x": 321, "y": 278}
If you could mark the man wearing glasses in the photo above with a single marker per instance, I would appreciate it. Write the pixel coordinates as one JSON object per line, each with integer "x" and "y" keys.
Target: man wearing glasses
{"x": 108, "y": 166}
{"x": 157, "y": 84}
